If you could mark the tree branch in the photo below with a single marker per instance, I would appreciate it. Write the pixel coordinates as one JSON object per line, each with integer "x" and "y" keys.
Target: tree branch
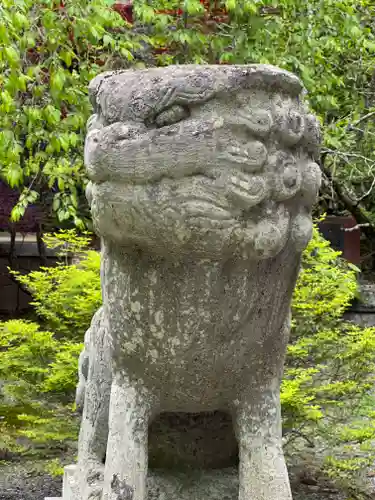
{"x": 355, "y": 228}
{"x": 362, "y": 119}
{"x": 351, "y": 205}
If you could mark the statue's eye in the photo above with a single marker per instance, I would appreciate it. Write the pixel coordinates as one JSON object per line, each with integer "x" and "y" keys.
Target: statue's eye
{"x": 172, "y": 115}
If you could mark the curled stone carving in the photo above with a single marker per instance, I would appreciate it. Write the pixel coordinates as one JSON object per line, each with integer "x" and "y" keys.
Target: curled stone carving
{"x": 202, "y": 180}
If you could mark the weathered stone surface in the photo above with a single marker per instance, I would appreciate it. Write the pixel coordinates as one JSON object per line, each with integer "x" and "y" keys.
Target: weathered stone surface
{"x": 183, "y": 485}
{"x": 201, "y": 185}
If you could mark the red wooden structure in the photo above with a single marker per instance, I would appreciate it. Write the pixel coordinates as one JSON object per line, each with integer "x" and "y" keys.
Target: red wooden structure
{"x": 30, "y": 222}
{"x": 212, "y": 11}
{"x": 344, "y": 235}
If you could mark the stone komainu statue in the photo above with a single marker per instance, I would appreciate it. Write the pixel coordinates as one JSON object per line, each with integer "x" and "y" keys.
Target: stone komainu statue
{"x": 202, "y": 180}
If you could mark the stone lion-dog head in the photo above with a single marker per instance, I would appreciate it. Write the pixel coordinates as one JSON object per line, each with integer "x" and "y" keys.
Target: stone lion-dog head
{"x": 201, "y": 162}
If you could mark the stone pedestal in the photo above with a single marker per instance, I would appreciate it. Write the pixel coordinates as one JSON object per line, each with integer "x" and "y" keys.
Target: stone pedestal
{"x": 219, "y": 484}
{"x": 70, "y": 483}
{"x": 69, "y": 486}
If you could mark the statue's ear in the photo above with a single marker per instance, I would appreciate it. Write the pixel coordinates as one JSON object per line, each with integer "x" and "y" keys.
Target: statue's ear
{"x": 94, "y": 87}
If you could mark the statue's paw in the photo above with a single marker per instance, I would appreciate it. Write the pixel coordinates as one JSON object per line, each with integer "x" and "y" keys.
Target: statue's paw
{"x": 93, "y": 481}
{"x": 95, "y": 494}
{"x": 95, "y": 474}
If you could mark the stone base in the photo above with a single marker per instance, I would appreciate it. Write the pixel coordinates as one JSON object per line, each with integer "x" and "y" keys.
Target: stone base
{"x": 217, "y": 484}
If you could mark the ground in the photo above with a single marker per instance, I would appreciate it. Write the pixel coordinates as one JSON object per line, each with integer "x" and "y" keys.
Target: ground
{"x": 28, "y": 481}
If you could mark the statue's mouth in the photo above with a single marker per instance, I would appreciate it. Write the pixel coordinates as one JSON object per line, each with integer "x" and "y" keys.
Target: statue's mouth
{"x": 196, "y": 210}
{"x": 198, "y": 196}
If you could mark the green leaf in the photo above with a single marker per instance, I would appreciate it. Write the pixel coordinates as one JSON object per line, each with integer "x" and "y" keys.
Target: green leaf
{"x": 6, "y": 101}
{"x": 12, "y": 56}
{"x": 17, "y": 213}
{"x": 73, "y": 139}
{"x": 353, "y": 267}
{"x": 107, "y": 40}
{"x": 20, "y": 20}
{"x": 67, "y": 56}
{"x": 57, "y": 80}
{"x": 126, "y": 53}
{"x": 52, "y": 114}
{"x": 56, "y": 203}
{"x": 55, "y": 144}
{"x": 230, "y": 4}
{"x": 3, "y": 34}
{"x": 60, "y": 184}
{"x": 14, "y": 175}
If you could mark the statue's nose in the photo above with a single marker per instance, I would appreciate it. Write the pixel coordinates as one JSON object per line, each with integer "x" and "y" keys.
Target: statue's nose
{"x": 125, "y": 131}
{"x": 100, "y": 141}
{"x": 117, "y": 131}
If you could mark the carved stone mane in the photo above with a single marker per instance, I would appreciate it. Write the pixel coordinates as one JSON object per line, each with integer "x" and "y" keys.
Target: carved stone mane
{"x": 202, "y": 180}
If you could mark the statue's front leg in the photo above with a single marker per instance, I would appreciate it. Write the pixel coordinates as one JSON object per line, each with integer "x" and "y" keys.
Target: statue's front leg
{"x": 131, "y": 408}
{"x": 262, "y": 470}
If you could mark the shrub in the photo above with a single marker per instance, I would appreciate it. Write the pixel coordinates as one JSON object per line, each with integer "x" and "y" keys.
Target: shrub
{"x": 38, "y": 375}
{"x": 38, "y": 365}
{"x": 66, "y": 296}
{"x": 327, "y": 391}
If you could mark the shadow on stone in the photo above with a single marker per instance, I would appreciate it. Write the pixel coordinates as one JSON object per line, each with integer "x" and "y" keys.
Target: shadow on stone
{"x": 182, "y": 441}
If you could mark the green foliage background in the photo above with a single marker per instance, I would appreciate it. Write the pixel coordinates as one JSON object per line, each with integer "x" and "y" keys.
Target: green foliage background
{"x": 49, "y": 53}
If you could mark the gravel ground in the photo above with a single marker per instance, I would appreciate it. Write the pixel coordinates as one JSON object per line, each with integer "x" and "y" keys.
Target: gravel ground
{"x": 27, "y": 481}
